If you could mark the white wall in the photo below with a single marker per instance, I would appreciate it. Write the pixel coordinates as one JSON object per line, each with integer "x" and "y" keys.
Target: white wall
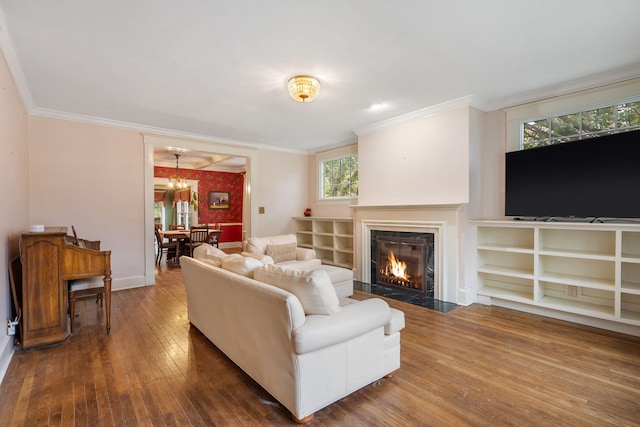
{"x": 423, "y": 161}
{"x": 14, "y": 214}
{"x": 91, "y": 177}
{"x": 488, "y": 196}
{"x": 281, "y": 189}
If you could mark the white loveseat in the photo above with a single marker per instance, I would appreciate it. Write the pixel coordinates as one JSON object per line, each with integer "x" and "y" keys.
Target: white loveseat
{"x": 280, "y": 250}
{"x": 283, "y": 250}
{"x": 305, "y": 361}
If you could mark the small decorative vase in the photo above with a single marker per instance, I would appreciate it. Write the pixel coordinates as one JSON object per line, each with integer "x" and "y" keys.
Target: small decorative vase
{"x": 307, "y": 212}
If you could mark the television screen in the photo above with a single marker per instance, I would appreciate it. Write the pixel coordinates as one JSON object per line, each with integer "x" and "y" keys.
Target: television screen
{"x": 596, "y": 177}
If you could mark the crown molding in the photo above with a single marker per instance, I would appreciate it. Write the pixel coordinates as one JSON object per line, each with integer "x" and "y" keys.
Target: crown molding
{"x": 590, "y": 82}
{"x": 145, "y": 129}
{"x": 465, "y": 101}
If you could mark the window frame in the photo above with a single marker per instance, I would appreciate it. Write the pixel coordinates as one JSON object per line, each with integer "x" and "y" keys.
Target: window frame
{"x": 321, "y": 159}
{"x": 582, "y": 134}
{"x": 601, "y": 96}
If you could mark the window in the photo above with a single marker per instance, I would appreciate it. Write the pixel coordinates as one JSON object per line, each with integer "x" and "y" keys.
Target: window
{"x": 339, "y": 178}
{"x": 619, "y": 117}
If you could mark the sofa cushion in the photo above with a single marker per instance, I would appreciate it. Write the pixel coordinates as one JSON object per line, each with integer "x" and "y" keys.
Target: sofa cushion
{"x": 312, "y": 287}
{"x": 265, "y": 259}
{"x": 209, "y": 254}
{"x": 280, "y": 253}
{"x": 244, "y": 266}
{"x": 259, "y": 244}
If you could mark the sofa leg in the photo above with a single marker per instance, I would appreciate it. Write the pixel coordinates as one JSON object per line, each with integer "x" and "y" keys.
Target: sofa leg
{"x": 303, "y": 420}
{"x": 391, "y": 374}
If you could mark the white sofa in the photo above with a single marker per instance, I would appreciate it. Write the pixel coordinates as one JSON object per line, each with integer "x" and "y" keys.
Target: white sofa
{"x": 283, "y": 250}
{"x": 305, "y": 361}
{"x": 280, "y": 250}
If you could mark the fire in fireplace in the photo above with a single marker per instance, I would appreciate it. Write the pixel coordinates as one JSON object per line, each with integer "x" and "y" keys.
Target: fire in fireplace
{"x": 403, "y": 259}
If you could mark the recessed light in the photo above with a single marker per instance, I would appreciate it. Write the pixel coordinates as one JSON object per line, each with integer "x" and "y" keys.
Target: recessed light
{"x": 376, "y": 107}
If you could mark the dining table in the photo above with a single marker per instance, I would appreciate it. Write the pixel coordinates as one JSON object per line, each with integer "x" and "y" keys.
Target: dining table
{"x": 175, "y": 234}
{"x": 182, "y": 237}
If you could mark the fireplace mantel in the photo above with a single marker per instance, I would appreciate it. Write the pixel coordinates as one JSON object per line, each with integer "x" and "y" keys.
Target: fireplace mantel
{"x": 442, "y": 220}
{"x": 404, "y": 207}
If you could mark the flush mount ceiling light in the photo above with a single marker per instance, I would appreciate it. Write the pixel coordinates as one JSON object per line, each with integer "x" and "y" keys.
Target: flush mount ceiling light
{"x": 303, "y": 88}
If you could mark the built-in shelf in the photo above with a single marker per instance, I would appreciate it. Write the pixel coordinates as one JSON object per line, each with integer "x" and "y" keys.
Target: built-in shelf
{"x": 331, "y": 238}
{"x": 584, "y": 269}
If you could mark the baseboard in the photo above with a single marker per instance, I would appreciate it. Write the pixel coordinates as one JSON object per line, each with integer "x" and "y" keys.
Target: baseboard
{"x": 6, "y": 354}
{"x": 466, "y": 297}
{"x": 230, "y": 245}
{"x": 609, "y": 325}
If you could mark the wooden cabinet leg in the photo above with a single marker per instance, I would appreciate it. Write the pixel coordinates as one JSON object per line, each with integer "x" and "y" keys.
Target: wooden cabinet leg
{"x": 72, "y": 312}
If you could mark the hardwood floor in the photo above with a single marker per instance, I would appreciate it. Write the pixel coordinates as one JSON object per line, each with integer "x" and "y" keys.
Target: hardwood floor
{"x": 477, "y": 365}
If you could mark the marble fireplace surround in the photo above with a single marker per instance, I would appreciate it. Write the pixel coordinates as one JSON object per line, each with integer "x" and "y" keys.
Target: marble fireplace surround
{"x": 442, "y": 220}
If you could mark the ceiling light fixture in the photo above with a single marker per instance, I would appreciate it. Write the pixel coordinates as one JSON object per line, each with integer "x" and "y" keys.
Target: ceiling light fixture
{"x": 303, "y": 88}
{"x": 175, "y": 181}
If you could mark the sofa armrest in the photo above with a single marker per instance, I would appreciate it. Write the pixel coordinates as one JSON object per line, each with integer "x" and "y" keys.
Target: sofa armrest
{"x": 353, "y": 320}
{"x": 304, "y": 254}
{"x": 396, "y": 324}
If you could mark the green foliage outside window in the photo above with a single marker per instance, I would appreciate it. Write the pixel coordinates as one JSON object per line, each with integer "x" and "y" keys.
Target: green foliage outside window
{"x": 340, "y": 178}
{"x": 581, "y": 125}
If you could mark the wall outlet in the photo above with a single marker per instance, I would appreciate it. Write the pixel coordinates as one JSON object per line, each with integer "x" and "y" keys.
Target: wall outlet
{"x": 11, "y": 327}
{"x": 261, "y": 210}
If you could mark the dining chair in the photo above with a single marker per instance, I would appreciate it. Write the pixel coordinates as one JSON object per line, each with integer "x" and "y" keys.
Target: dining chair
{"x": 214, "y": 237}
{"x": 170, "y": 248}
{"x": 197, "y": 237}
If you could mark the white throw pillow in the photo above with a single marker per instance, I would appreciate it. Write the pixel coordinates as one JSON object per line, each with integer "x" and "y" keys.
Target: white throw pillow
{"x": 312, "y": 287}
{"x": 281, "y": 253}
{"x": 209, "y": 254}
{"x": 245, "y": 266}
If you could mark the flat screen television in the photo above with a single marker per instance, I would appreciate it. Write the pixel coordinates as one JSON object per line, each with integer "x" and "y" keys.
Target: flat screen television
{"x": 596, "y": 177}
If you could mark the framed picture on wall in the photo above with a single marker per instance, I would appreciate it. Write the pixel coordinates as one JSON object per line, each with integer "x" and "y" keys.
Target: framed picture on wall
{"x": 218, "y": 200}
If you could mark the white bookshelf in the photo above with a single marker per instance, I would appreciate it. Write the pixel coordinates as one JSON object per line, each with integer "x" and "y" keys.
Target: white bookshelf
{"x": 582, "y": 269}
{"x": 331, "y": 238}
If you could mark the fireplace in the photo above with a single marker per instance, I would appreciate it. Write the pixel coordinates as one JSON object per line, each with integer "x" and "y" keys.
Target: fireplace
{"x": 403, "y": 259}
{"x": 444, "y": 221}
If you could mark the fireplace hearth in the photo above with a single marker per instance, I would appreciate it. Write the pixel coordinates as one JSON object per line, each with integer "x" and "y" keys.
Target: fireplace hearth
{"x": 403, "y": 259}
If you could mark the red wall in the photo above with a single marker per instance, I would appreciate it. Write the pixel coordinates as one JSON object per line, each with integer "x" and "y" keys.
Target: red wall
{"x": 212, "y": 181}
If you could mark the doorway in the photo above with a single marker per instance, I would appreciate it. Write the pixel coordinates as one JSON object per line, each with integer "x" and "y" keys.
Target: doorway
{"x": 153, "y": 141}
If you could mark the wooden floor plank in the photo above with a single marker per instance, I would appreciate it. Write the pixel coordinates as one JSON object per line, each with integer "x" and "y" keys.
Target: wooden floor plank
{"x": 476, "y": 366}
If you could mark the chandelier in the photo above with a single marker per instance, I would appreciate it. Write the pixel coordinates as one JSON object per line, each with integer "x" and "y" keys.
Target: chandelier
{"x": 175, "y": 181}
{"x": 303, "y": 88}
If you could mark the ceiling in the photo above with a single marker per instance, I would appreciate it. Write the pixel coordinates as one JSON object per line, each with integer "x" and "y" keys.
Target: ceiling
{"x": 189, "y": 159}
{"x": 218, "y": 70}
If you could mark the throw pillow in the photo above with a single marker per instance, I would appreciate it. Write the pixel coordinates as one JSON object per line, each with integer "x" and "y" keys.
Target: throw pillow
{"x": 281, "y": 253}
{"x": 209, "y": 254}
{"x": 244, "y": 266}
{"x": 312, "y": 287}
